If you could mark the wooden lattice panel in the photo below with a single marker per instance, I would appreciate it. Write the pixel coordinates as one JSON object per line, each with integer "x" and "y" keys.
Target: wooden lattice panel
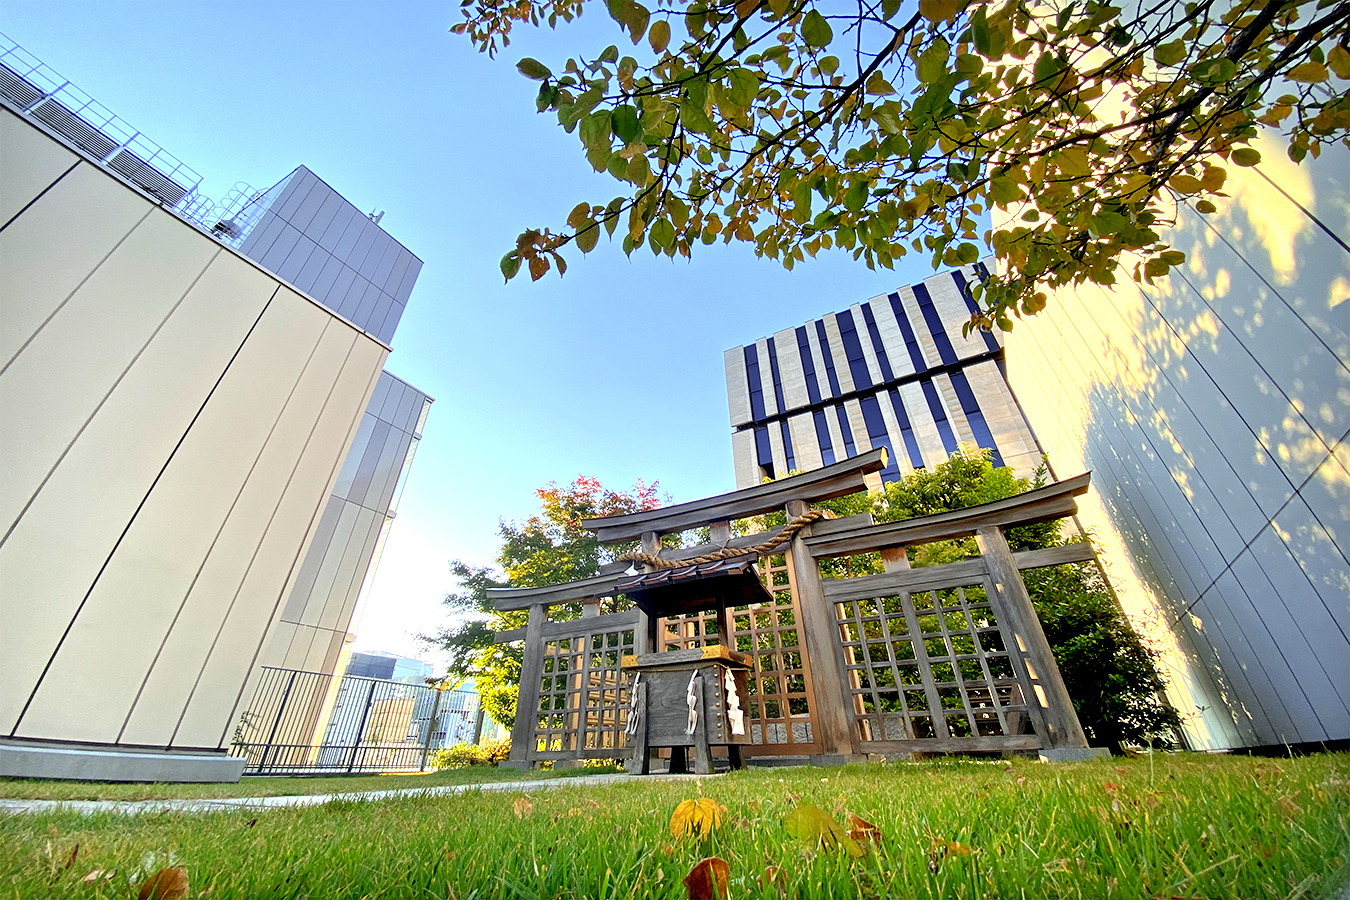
{"x": 933, "y": 664}
{"x": 583, "y": 694}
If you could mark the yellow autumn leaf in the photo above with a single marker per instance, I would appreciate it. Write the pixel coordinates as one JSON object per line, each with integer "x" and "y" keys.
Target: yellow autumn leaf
{"x": 1185, "y": 184}
{"x": 1213, "y": 178}
{"x": 1310, "y": 72}
{"x": 522, "y": 807}
{"x": 940, "y": 10}
{"x": 1338, "y": 58}
{"x": 701, "y": 815}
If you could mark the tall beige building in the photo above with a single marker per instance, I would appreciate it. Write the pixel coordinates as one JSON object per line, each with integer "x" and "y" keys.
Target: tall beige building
{"x": 177, "y": 400}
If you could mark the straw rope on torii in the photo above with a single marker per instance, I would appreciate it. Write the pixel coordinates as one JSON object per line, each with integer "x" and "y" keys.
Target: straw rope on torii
{"x": 773, "y": 543}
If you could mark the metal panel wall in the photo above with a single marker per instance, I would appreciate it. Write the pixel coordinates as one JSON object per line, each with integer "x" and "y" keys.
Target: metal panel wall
{"x": 314, "y": 239}
{"x": 342, "y": 560}
{"x": 173, "y": 418}
{"x": 1212, "y": 409}
{"x": 895, "y": 371}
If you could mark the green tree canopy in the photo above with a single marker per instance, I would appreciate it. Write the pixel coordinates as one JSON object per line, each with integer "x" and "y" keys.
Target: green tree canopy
{"x": 888, "y": 127}
{"x": 548, "y": 548}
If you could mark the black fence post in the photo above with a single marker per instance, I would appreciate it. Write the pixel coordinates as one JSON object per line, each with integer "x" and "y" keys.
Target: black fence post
{"x": 262, "y": 765}
{"x": 361, "y": 729}
{"x": 431, "y": 730}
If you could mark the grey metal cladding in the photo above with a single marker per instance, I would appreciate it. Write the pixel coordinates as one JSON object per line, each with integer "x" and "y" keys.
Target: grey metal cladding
{"x": 369, "y": 301}
{"x": 386, "y": 471}
{"x": 391, "y": 320}
{"x": 326, "y": 280}
{"x": 309, "y": 568}
{"x": 342, "y": 284}
{"x": 355, "y": 228}
{"x": 289, "y": 270}
{"x": 392, "y": 252}
{"x": 304, "y": 214}
{"x": 261, "y": 237}
{"x": 373, "y": 321}
{"x": 400, "y": 268}
{"x": 405, "y": 287}
{"x": 369, "y": 460}
{"x": 295, "y": 194}
{"x": 343, "y": 219}
{"x": 392, "y": 401}
{"x": 308, "y": 278}
{"x": 353, "y": 297}
{"x": 280, "y": 249}
{"x": 383, "y": 385}
{"x": 412, "y": 398}
{"x": 327, "y": 212}
{"x": 347, "y": 474}
{"x": 364, "y": 241}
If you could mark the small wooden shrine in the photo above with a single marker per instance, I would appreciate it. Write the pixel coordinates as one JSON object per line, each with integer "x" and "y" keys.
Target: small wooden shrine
{"x": 742, "y": 648}
{"x": 690, "y": 698}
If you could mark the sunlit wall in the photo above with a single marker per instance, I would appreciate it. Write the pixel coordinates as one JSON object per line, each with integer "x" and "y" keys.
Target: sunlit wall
{"x": 1212, "y": 409}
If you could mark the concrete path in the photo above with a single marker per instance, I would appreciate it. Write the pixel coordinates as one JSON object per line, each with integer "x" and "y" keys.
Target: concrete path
{"x": 134, "y": 807}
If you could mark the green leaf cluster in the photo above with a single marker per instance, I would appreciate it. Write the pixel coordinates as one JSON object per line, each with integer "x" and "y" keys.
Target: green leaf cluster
{"x": 548, "y": 548}
{"x": 900, "y": 127}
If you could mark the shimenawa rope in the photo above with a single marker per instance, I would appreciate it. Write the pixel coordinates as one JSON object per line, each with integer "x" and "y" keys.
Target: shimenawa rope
{"x": 782, "y": 537}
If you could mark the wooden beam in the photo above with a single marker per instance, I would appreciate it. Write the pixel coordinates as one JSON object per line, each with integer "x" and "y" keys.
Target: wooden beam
{"x": 592, "y": 625}
{"x": 1054, "y": 556}
{"x": 842, "y": 478}
{"x": 506, "y": 599}
{"x": 527, "y": 700}
{"x": 887, "y": 583}
{"x": 1053, "y": 501}
{"x": 956, "y": 745}
{"x": 506, "y": 637}
{"x": 1060, "y": 719}
{"x": 819, "y": 632}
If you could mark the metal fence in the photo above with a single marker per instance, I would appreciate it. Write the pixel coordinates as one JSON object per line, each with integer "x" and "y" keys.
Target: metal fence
{"x": 308, "y": 722}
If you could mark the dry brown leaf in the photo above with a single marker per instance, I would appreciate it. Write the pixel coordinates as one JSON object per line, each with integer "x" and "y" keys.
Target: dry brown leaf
{"x": 752, "y": 805}
{"x": 701, "y": 815}
{"x": 100, "y": 876}
{"x": 73, "y": 854}
{"x": 1288, "y": 807}
{"x": 774, "y": 876}
{"x": 708, "y": 880}
{"x": 592, "y": 803}
{"x": 862, "y": 830}
{"x": 166, "y": 884}
{"x": 1110, "y": 787}
{"x": 575, "y": 811}
{"x": 522, "y": 807}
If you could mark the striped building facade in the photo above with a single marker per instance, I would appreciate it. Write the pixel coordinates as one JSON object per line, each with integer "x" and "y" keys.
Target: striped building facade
{"x": 895, "y": 371}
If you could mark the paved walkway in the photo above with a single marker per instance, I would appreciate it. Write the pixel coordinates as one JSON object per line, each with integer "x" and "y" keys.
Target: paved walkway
{"x": 134, "y": 807}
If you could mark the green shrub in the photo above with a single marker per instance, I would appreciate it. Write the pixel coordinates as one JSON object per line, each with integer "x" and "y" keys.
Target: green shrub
{"x": 461, "y": 756}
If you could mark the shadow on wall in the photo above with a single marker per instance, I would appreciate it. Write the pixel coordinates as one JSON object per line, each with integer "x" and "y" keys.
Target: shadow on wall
{"x": 1215, "y": 444}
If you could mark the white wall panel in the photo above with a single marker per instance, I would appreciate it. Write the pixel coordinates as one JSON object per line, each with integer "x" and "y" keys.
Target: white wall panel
{"x": 47, "y": 566}
{"x": 288, "y": 338}
{"x": 30, "y": 162}
{"x": 55, "y": 244}
{"x": 204, "y": 723}
{"x": 53, "y": 387}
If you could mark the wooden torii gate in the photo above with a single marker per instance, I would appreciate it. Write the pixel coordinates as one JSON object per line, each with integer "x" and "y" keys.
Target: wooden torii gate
{"x": 944, "y": 658}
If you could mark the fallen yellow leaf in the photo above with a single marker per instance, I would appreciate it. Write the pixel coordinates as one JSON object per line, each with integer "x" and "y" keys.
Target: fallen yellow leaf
{"x": 701, "y": 815}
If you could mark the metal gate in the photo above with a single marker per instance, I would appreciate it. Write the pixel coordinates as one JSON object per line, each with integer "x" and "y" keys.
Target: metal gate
{"x": 307, "y": 722}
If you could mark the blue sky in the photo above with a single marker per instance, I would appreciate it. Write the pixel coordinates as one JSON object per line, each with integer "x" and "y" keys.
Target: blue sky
{"x": 613, "y": 371}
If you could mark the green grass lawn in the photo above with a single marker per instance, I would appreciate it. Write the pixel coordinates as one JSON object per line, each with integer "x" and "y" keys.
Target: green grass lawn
{"x": 270, "y": 786}
{"x": 1181, "y": 826}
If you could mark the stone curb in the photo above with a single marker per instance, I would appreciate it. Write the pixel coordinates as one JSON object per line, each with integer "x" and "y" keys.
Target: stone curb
{"x": 136, "y": 807}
